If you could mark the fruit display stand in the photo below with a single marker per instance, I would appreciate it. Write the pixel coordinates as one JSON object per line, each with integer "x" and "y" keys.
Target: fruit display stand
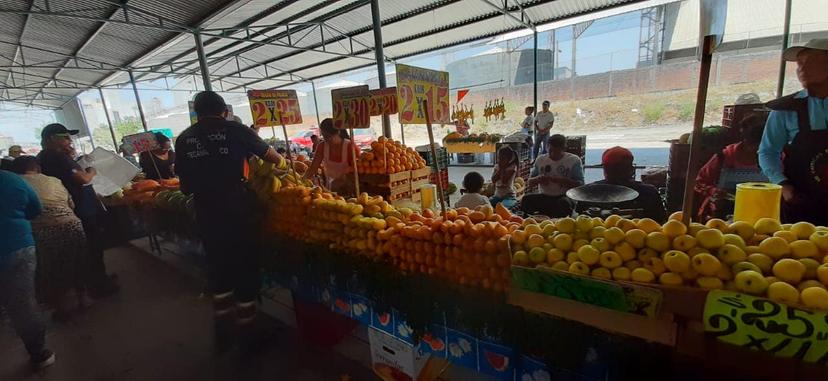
{"x": 474, "y": 143}
{"x": 393, "y": 186}
{"x": 760, "y": 294}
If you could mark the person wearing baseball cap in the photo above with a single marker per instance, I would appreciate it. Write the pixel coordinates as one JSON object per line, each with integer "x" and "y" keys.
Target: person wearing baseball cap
{"x": 57, "y": 160}
{"x": 620, "y": 170}
{"x": 798, "y": 125}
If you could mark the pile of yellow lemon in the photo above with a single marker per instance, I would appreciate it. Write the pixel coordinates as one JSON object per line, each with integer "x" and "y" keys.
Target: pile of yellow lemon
{"x": 785, "y": 263}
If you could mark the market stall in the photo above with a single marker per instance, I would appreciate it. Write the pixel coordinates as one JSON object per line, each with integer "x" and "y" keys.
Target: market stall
{"x": 490, "y": 291}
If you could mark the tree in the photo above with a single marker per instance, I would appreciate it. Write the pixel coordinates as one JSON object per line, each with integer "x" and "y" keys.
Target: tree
{"x": 128, "y": 126}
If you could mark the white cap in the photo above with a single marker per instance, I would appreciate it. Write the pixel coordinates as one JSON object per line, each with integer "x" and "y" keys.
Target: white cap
{"x": 818, "y": 43}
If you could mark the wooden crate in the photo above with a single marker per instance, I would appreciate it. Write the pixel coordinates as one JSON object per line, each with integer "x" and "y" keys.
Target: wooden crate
{"x": 419, "y": 174}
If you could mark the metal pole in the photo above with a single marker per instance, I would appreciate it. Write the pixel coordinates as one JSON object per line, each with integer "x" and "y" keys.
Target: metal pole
{"x": 786, "y": 33}
{"x": 535, "y": 84}
{"x": 315, "y": 104}
{"x": 138, "y": 101}
{"x": 108, "y": 120}
{"x": 202, "y": 62}
{"x": 380, "y": 57}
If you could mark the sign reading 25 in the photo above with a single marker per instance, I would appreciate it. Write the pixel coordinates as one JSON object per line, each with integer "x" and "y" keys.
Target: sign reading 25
{"x": 274, "y": 107}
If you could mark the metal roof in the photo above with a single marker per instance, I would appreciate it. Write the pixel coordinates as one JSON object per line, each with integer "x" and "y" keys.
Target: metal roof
{"x": 52, "y": 50}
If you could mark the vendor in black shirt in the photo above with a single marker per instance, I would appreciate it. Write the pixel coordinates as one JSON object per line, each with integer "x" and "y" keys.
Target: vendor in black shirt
{"x": 57, "y": 160}
{"x": 159, "y": 163}
{"x": 619, "y": 170}
{"x": 210, "y": 162}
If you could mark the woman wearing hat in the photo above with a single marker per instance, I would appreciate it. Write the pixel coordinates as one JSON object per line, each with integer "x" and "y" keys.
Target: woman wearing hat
{"x": 798, "y": 125}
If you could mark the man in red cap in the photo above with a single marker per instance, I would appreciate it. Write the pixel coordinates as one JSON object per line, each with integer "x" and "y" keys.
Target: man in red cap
{"x": 619, "y": 170}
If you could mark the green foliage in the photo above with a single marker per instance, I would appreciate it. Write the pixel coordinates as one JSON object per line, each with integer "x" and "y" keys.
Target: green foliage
{"x": 686, "y": 111}
{"x": 653, "y": 112}
{"x": 128, "y": 126}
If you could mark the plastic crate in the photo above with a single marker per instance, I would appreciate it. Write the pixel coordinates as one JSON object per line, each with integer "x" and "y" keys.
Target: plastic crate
{"x": 523, "y": 150}
{"x": 732, "y": 114}
{"x": 442, "y": 156}
{"x": 576, "y": 145}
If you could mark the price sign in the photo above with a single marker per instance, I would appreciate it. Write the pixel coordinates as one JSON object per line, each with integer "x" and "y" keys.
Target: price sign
{"x": 350, "y": 107}
{"x": 383, "y": 101}
{"x": 414, "y": 85}
{"x": 766, "y": 326}
{"x": 274, "y": 107}
{"x": 138, "y": 143}
{"x": 625, "y": 297}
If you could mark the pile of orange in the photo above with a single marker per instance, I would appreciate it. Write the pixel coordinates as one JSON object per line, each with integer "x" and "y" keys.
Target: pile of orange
{"x": 288, "y": 210}
{"x": 389, "y": 156}
{"x": 468, "y": 247}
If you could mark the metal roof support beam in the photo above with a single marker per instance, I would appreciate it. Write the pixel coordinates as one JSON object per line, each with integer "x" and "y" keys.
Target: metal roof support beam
{"x": 17, "y": 50}
{"x": 138, "y": 101}
{"x": 506, "y": 11}
{"x": 246, "y": 24}
{"x": 380, "y": 58}
{"x": 74, "y": 55}
{"x": 202, "y": 62}
{"x": 109, "y": 121}
{"x": 131, "y": 16}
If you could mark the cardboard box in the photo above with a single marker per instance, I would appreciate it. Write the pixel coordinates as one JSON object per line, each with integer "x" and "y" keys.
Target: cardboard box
{"x": 393, "y": 359}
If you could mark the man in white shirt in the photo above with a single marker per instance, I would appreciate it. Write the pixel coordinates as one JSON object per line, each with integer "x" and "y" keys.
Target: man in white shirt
{"x": 555, "y": 173}
{"x": 543, "y": 124}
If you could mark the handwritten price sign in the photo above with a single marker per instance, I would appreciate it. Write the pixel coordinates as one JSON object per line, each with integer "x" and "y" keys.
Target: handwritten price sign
{"x": 383, "y": 101}
{"x": 416, "y": 84}
{"x": 627, "y": 298}
{"x": 766, "y": 326}
{"x": 350, "y": 107}
{"x": 138, "y": 143}
{"x": 274, "y": 107}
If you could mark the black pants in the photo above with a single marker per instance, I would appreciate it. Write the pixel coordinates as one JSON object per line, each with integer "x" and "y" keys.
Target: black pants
{"x": 93, "y": 229}
{"x": 551, "y": 206}
{"x": 230, "y": 240}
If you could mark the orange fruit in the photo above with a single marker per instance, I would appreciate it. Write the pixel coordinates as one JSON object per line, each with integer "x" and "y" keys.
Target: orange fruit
{"x": 503, "y": 260}
{"x": 490, "y": 247}
{"x": 476, "y": 216}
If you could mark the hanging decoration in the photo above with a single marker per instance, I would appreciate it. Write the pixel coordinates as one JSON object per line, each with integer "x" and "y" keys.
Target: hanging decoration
{"x": 462, "y": 114}
{"x": 494, "y": 110}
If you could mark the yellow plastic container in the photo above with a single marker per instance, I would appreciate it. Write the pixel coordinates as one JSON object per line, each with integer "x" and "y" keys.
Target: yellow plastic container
{"x": 428, "y": 194}
{"x": 757, "y": 200}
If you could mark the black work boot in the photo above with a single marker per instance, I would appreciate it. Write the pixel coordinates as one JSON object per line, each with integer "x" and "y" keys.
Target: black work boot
{"x": 224, "y": 316}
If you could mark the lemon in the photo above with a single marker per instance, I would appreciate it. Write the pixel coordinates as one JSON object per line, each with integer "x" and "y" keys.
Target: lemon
{"x": 782, "y": 292}
{"x": 803, "y": 230}
{"x": 601, "y": 272}
{"x": 636, "y": 238}
{"x": 706, "y": 264}
{"x": 676, "y": 261}
{"x": 775, "y": 247}
{"x": 626, "y": 251}
{"x": 710, "y": 283}
{"x": 610, "y": 260}
{"x": 673, "y": 229}
{"x": 804, "y": 248}
{"x": 658, "y": 241}
{"x": 789, "y": 270}
{"x": 579, "y": 268}
{"x": 767, "y": 226}
{"x": 670, "y": 279}
{"x": 621, "y": 273}
{"x": 710, "y": 238}
{"x": 642, "y": 275}
{"x": 589, "y": 255}
{"x": 815, "y": 297}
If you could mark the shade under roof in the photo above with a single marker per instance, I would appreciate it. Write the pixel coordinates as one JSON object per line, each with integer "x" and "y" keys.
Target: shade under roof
{"x": 49, "y": 54}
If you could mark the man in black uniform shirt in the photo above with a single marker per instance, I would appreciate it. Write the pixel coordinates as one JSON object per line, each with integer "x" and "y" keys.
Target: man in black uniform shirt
{"x": 210, "y": 162}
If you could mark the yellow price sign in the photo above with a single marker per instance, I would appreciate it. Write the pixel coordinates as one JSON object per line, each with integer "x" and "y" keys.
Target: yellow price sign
{"x": 350, "y": 107}
{"x": 766, "y": 326}
{"x": 414, "y": 85}
{"x": 274, "y": 107}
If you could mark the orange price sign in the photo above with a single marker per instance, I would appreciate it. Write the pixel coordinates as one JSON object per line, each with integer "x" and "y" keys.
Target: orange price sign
{"x": 274, "y": 107}
{"x": 350, "y": 107}
{"x": 383, "y": 101}
{"x": 414, "y": 85}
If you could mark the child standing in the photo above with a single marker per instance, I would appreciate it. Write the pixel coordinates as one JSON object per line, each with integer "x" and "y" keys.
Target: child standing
{"x": 503, "y": 177}
{"x": 472, "y": 184}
